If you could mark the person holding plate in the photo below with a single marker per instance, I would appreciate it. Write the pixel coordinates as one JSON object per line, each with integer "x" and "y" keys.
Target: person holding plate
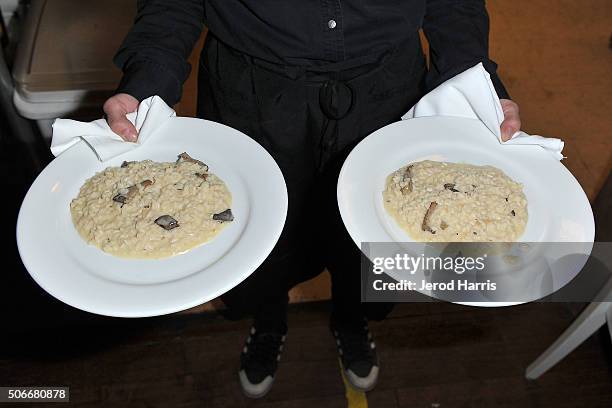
{"x": 307, "y": 80}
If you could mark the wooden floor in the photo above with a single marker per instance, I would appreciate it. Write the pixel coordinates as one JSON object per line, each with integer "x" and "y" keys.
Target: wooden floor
{"x": 432, "y": 355}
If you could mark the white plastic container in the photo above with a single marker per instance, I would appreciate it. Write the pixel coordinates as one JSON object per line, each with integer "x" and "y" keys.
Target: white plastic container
{"x": 63, "y": 67}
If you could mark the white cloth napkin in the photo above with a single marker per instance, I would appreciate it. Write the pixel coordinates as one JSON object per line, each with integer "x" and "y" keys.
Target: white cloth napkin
{"x": 151, "y": 113}
{"x": 471, "y": 94}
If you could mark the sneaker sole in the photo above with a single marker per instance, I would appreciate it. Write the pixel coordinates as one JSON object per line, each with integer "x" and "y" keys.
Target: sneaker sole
{"x": 245, "y": 384}
{"x": 348, "y": 375}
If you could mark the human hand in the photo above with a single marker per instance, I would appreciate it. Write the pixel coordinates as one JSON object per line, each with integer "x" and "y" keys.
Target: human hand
{"x": 116, "y": 109}
{"x": 512, "y": 119}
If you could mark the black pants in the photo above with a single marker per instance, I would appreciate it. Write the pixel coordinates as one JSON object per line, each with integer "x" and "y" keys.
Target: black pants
{"x": 308, "y": 120}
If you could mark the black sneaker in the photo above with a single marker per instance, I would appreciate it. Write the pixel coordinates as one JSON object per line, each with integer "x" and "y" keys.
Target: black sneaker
{"x": 259, "y": 361}
{"x": 357, "y": 352}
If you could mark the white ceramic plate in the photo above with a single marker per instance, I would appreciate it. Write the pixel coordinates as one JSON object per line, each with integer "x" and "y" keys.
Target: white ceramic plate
{"x": 83, "y": 276}
{"x": 558, "y": 208}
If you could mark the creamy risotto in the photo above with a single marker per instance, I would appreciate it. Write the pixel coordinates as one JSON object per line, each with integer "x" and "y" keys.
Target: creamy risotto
{"x": 446, "y": 202}
{"x": 147, "y": 209}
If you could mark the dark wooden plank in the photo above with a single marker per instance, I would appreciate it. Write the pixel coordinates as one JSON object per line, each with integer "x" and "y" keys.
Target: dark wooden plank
{"x": 430, "y": 354}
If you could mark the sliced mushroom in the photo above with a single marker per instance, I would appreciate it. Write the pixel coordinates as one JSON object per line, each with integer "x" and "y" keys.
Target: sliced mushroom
{"x": 125, "y": 164}
{"x": 425, "y": 225}
{"x": 125, "y": 194}
{"x": 407, "y": 177}
{"x": 203, "y": 176}
{"x": 224, "y": 216}
{"x": 451, "y": 187}
{"x": 185, "y": 157}
{"x": 121, "y": 196}
{"x": 146, "y": 183}
{"x": 408, "y": 172}
{"x": 167, "y": 222}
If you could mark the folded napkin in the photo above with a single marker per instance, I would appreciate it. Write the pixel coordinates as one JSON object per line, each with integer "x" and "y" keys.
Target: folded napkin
{"x": 471, "y": 95}
{"x": 151, "y": 113}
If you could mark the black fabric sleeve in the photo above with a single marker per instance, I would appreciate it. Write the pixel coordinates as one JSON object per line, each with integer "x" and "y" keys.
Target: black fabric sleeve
{"x": 458, "y": 36}
{"x": 153, "y": 56}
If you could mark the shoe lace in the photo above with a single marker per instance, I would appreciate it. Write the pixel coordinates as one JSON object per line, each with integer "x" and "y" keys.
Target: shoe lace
{"x": 264, "y": 348}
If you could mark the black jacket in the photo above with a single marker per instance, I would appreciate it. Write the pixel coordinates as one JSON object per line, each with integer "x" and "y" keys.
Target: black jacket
{"x": 314, "y": 33}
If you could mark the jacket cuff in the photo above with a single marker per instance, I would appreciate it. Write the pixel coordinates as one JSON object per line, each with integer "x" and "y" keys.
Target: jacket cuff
{"x": 491, "y": 68}
{"x": 502, "y": 93}
{"x": 142, "y": 79}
